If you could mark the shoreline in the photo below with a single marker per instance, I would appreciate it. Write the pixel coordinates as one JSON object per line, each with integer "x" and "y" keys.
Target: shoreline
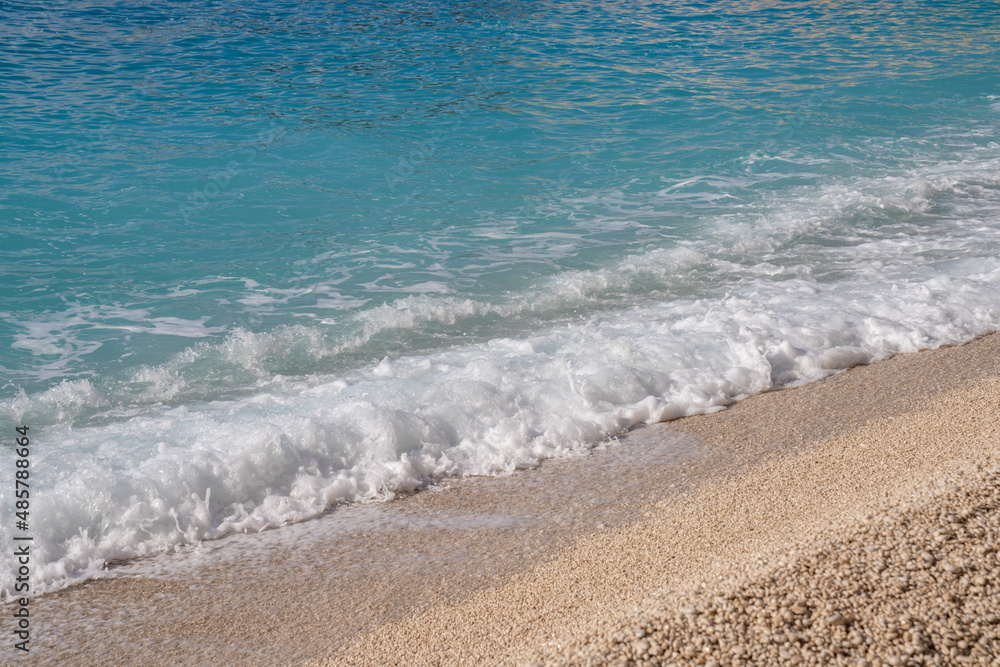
{"x": 540, "y": 565}
{"x": 821, "y": 482}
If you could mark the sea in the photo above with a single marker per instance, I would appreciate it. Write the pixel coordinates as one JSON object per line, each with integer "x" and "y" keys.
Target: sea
{"x": 261, "y": 260}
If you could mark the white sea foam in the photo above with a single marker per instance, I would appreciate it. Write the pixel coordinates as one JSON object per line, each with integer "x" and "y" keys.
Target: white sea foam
{"x": 841, "y": 275}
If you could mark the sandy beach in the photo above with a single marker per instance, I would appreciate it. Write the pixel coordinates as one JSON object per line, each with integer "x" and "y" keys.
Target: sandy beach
{"x": 850, "y": 521}
{"x": 456, "y": 333}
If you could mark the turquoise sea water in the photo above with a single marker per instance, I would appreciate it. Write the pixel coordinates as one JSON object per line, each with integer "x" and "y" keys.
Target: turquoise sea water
{"x": 259, "y": 259}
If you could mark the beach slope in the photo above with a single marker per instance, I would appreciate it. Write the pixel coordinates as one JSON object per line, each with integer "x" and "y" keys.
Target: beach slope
{"x": 849, "y": 520}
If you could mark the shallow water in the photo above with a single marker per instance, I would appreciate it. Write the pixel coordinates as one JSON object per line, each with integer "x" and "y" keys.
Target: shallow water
{"x": 260, "y": 260}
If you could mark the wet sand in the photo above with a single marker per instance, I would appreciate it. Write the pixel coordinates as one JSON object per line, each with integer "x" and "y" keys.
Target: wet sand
{"x": 583, "y": 560}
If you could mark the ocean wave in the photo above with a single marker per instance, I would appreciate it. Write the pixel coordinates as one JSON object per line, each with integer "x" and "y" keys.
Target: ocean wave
{"x": 264, "y": 428}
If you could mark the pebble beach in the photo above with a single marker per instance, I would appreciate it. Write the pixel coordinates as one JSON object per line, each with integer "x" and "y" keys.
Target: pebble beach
{"x": 444, "y": 333}
{"x": 915, "y": 584}
{"x": 851, "y": 521}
